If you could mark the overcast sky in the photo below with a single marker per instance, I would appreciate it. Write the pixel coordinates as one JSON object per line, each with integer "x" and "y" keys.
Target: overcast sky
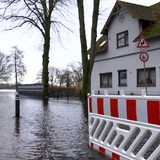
{"x": 62, "y": 52}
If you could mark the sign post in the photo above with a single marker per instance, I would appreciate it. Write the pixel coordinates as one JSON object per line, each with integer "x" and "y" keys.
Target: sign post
{"x": 144, "y": 58}
{"x": 143, "y": 44}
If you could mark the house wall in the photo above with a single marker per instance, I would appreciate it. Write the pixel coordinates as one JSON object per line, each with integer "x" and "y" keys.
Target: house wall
{"x": 132, "y": 25}
{"x": 126, "y": 58}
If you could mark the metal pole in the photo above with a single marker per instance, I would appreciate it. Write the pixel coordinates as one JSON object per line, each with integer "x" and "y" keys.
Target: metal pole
{"x": 17, "y": 106}
{"x": 145, "y": 79}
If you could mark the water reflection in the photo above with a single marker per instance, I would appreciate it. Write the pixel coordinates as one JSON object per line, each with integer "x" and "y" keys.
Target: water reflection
{"x": 45, "y": 102}
{"x": 17, "y": 126}
{"x": 56, "y": 130}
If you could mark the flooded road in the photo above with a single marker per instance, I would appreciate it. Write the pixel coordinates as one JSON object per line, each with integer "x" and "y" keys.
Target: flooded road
{"x": 58, "y": 131}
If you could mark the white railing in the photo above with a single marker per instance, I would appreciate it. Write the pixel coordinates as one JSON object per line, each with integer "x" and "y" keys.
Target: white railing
{"x": 125, "y": 127}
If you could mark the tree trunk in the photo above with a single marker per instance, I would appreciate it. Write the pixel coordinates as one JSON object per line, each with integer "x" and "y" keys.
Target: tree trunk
{"x": 94, "y": 35}
{"x": 85, "y": 61}
{"x": 45, "y": 62}
{"x": 45, "y": 74}
{"x": 94, "y": 31}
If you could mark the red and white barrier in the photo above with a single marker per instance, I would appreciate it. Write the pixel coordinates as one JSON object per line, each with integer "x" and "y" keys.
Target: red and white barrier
{"x": 125, "y": 127}
{"x": 106, "y": 152}
{"x": 137, "y": 109}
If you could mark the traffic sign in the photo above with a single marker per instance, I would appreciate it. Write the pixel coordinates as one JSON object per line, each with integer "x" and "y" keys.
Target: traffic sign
{"x": 142, "y": 43}
{"x": 144, "y": 56}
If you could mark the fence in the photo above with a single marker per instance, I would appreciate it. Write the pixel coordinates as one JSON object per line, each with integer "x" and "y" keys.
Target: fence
{"x": 125, "y": 127}
{"x": 31, "y": 89}
{"x": 56, "y": 92}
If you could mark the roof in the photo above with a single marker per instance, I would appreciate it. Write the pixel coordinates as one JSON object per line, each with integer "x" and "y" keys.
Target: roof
{"x": 150, "y": 32}
{"x": 145, "y": 13}
{"x": 156, "y": 10}
{"x": 154, "y": 29}
{"x": 101, "y": 44}
{"x": 138, "y": 11}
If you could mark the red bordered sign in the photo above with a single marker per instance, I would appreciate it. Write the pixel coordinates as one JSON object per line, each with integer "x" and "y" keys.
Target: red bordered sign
{"x": 142, "y": 43}
{"x": 144, "y": 56}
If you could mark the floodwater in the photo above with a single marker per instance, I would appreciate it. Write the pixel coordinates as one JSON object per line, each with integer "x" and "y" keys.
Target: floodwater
{"x": 57, "y": 131}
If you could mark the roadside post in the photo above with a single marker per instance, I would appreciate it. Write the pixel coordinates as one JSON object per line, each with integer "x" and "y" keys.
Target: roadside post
{"x": 143, "y": 45}
{"x": 17, "y": 106}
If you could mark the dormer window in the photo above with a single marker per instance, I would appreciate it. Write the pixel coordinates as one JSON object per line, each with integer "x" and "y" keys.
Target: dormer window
{"x": 122, "y": 39}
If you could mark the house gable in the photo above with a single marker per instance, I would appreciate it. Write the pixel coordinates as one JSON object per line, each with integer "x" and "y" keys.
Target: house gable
{"x": 120, "y": 67}
{"x": 137, "y": 11}
{"x": 148, "y": 19}
{"x": 122, "y": 23}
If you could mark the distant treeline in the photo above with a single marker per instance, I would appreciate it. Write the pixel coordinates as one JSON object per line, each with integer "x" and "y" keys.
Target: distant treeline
{"x": 64, "y": 92}
{"x": 54, "y": 91}
{"x": 7, "y": 86}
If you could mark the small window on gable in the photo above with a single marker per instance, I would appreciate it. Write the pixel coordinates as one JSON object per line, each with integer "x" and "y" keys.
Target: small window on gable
{"x": 122, "y": 39}
{"x": 145, "y": 24}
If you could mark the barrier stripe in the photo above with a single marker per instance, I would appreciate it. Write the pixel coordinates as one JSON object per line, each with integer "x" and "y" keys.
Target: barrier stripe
{"x": 94, "y": 105}
{"x": 114, "y": 107}
{"x": 102, "y": 150}
{"x": 90, "y": 104}
{"x": 131, "y": 110}
{"x": 91, "y": 145}
{"x": 153, "y": 112}
{"x": 142, "y": 115}
{"x": 106, "y": 152}
{"x": 122, "y": 108}
{"x": 107, "y": 109}
{"x": 147, "y": 111}
{"x": 100, "y": 106}
{"x": 115, "y": 156}
{"x": 109, "y": 153}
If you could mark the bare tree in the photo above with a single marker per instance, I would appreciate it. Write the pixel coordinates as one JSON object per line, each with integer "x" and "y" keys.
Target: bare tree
{"x": 39, "y": 76}
{"x": 76, "y": 72}
{"x": 61, "y": 77}
{"x": 41, "y": 14}
{"x": 5, "y": 68}
{"x": 64, "y": 77}
{"x": 52, "y": 76}
{"x": 68, "y": 78}
{"x": 71, "y": 75}
{"x": 83, "y": 40}
{"x": 87, "y": 63}
{"x": 16, "y": 61}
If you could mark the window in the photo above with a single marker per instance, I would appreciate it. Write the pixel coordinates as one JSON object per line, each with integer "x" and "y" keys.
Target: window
{"x": 150, "y": 77}
{"x": 105, "y": 80}
{"x": 122, "y": 78}
{"x": 122, "y": 39}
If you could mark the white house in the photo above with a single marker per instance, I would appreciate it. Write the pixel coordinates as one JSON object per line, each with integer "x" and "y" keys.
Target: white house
{"x": 117, "y": 64}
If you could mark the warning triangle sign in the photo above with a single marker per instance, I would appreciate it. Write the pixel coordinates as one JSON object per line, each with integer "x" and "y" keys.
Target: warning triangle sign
{"x": 142, "y": 43}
